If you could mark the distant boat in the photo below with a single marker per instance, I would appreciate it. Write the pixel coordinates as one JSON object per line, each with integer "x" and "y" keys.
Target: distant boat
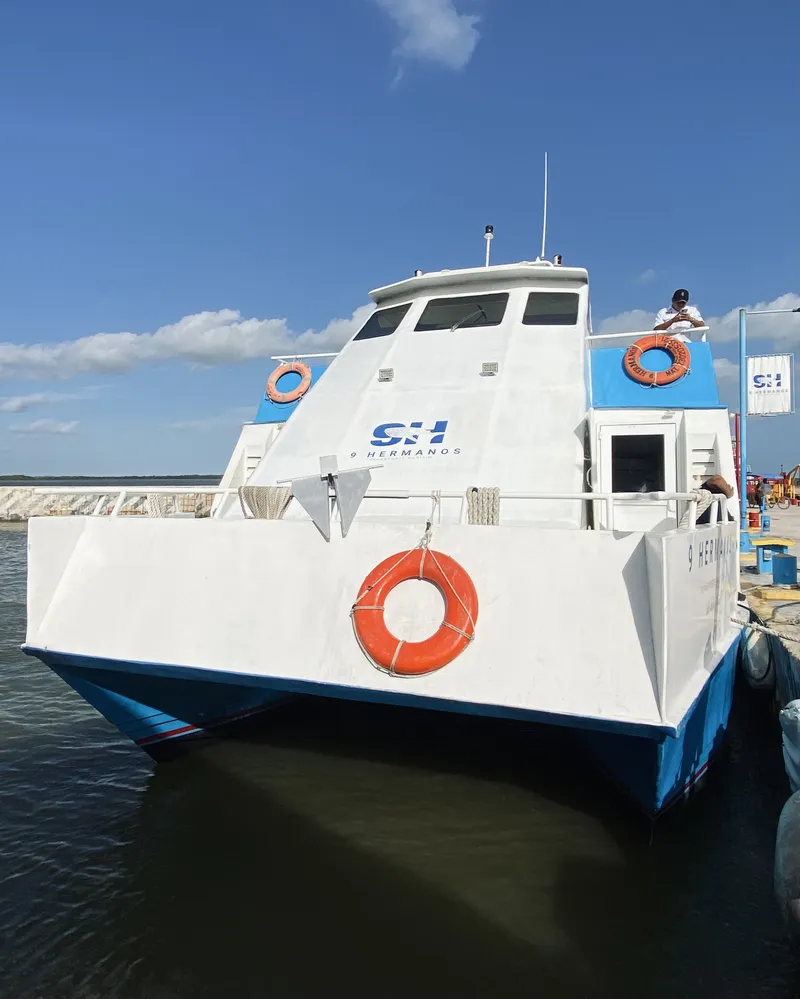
{"x": 474, "y": 434}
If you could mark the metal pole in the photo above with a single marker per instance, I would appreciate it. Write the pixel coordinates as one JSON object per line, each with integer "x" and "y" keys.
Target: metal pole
{"x": 744, "y": 543}
{"x": 488, "y": 235}
{"x": 544, "y": 214}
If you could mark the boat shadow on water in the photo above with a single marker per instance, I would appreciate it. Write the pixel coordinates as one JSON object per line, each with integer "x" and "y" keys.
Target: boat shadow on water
{"x": 386, "y": 852}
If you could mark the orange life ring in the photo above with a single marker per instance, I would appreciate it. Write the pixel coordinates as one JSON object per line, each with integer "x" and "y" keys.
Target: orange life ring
{"x": 677, "y": 350}
{"x": 284, "y": 369}
{"x": 392, "y": 654}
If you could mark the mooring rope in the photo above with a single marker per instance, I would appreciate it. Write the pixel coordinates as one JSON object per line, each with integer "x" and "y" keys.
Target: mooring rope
{"x": 766, "y": 631}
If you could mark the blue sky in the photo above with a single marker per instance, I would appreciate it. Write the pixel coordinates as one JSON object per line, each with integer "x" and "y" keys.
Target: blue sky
{"x": 186, "y": 186}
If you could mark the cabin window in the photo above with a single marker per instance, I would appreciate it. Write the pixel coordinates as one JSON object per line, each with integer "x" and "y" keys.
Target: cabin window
{"x": 545, "y": 308}
{"x": 465, "y": 312}
{"x": 382, "y": 322}
{"x": 637, "y": 463}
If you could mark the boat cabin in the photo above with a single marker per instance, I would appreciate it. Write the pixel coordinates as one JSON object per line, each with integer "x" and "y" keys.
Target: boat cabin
{"x": 491, "y": 377}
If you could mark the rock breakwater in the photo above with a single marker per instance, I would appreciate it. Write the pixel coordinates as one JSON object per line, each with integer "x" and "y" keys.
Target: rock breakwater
{"x": 20, "y": 503}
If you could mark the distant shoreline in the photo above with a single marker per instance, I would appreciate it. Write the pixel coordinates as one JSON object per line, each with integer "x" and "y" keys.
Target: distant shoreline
{"x": 13, "y": 479}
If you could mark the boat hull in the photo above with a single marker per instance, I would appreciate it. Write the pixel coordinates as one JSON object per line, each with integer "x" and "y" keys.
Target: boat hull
{"x": 165, "y": 709}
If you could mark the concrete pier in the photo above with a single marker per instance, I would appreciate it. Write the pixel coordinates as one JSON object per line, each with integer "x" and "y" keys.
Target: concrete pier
{"x": 778, "y": 607}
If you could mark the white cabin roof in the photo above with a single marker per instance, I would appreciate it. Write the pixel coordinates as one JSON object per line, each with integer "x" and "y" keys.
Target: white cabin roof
{"x": 473, "y": 279}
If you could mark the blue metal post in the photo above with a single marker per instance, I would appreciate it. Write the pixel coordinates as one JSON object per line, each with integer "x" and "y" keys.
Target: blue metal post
{"x": 744, "y": 543}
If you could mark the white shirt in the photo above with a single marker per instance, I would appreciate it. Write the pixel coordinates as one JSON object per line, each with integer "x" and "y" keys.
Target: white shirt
{"x": 674, "y": 330}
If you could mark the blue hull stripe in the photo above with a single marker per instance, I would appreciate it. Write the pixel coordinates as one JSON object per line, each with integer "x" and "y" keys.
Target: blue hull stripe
{"x": 62, "y": 662}
{"x": 158, "y": 703}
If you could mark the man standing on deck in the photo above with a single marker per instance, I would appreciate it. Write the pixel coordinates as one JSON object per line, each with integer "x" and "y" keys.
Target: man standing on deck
{"x": 680, "y": 316}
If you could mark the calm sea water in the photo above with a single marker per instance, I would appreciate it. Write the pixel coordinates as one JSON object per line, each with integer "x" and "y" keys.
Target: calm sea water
{"x": 357, "y": 851}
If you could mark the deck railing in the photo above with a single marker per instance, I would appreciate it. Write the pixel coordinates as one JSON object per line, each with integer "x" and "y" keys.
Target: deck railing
{"x": 594, "y": 337}
{"x": 606, "y": 501}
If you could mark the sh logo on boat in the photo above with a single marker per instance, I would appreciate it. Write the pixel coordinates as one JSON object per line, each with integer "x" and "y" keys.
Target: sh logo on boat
{"x": 389, "y": 434}
{"x": 409, "y": 440}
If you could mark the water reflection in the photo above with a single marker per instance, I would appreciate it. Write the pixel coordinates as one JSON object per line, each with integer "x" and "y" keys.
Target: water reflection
{"x": 371, "y": 851}
{"x": 285, "y": 866}
{"x": 384, "y": 852}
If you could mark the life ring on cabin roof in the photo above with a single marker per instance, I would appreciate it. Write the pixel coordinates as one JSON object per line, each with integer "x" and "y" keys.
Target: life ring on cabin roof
{"x": 677, "y": 350}
{"x": 392, "y": 654}
{"x": 284, "y": 369}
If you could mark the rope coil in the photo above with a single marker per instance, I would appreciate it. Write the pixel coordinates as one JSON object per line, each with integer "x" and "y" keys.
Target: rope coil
{"x": 483, "y": 505}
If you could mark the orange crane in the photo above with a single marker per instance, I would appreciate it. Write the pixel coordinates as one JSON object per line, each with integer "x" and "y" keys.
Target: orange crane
{"x": 785, "y": 488}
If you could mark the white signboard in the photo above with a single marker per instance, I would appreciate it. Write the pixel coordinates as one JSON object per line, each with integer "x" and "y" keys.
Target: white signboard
{"x": 770, "y": 388}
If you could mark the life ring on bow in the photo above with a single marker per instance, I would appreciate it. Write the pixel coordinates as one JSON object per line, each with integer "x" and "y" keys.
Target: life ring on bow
{"x": 284, "y": 369}
{"x": 677, "y": 350}
{"x": 392, "y": 654}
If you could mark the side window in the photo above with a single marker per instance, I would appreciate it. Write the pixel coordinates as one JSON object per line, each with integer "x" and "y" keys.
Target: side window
{"x": 382, "y": 322}
{"x": 545, "y": 308}
{"x": 464, "y": 312}
{"x": 637, "y": 463}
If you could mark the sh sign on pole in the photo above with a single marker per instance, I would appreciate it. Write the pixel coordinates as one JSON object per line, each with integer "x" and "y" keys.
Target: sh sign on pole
{"x": 770, "y": 385}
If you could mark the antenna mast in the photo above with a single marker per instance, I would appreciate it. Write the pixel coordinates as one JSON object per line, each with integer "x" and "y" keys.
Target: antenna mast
{"x": 488, "y": 235}
{"x": 544, "y": 216}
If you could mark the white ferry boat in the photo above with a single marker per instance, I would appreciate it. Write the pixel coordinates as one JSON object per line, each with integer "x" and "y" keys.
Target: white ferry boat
{"x": 476, "y": 506}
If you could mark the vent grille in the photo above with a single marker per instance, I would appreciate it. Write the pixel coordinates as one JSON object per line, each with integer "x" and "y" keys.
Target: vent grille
{"x": 704, "y": 458}
{"x": 252, "y": 457}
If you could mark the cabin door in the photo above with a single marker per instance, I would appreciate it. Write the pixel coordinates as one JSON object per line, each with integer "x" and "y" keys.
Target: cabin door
{"x": 639, "y": 458}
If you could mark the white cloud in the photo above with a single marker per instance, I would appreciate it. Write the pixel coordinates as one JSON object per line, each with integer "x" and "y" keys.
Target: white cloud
{"x": 433, "y": 30}
{"x": 628, "y": 322}
{"x": 207, "y": 338}
{"x": 783, "y": 329}
{"x": 647, "y": 276}
{"x": 725, "y": 369}
{"x": 207, "y": 424}
{"x": 46, "y": 427}
{"x": 233, "y": 418}
{"x": 22, "y": 403}
{"x": 780, "y": 328}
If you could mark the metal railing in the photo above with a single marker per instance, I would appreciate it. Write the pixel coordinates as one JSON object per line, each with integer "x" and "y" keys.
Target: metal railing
{"x": 302, "y": 357}
{"x": 125, "y": 493}
{"x": 607, "y": 501}
{"x": 620, "y": 336}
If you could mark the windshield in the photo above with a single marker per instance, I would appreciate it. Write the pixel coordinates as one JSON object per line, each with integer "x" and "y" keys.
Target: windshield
{"x": 382, "y": 322}
{"x": 545, "y": 308}
{"x": 464, "y": 312}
